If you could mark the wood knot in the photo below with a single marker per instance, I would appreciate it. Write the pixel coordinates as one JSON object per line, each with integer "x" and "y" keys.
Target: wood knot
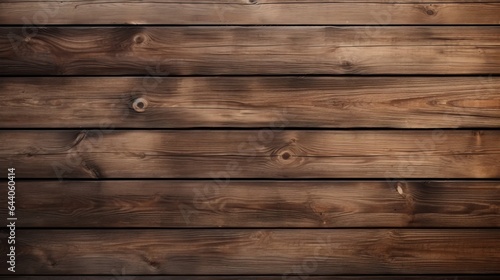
{"x": 400, "y": 188}
{"x": 139, "y": 39}
{"x": 140, "y": 104}
{"x": 346, "y": 64}
{"x": 287, "y": 156}
{"x": 429, "y": 10}
{"x": 253, "y": 2}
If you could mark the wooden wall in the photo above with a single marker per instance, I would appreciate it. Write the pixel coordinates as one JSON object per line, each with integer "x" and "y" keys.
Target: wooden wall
{"x": 251, "y": 139}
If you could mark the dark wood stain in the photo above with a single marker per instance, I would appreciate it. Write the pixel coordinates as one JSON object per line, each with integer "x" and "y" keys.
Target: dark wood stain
{"x": 258, "y": 251}
{"x": 258, "y": 204}
{"x": 249, "y": 50}
{"x": 252, "y": 154}
{"x": 251, "y": 139}
{"x": 327, "y": 102}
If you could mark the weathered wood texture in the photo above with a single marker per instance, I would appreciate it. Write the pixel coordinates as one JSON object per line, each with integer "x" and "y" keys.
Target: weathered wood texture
{"x": 387, "y": 224}
{"x": 253, "y": 204}
{"x": 243, "y": 12}
{"x": 265, "y": 252}
{"x": 398, "y": 102}
{"x": 265, "y": 153}
{"x": 249, "y": 50}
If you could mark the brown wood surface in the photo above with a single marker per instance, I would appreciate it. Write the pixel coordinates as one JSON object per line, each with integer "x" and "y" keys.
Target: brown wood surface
{"x": 330, "y": 102}
{"x": 378, "y": 12}
{"x": 253, "y": 204}
{"x": 299, "y": 139}
{"x": 249, "y": 50}
{"x": 251, "y": 251}
{"x": 264, "y": 153}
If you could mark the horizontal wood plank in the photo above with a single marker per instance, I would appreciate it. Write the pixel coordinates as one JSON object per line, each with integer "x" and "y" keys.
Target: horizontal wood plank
{"x": 251, "y": 204}
{"x": 160, "y": 51}
{"x": 331, "y": 102}
{"x": 242, "y": 12}
{"x": 264, "y": 153}
{"x": 265, "y": 252}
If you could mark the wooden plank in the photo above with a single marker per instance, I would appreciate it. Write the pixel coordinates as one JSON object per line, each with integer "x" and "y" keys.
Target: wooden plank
{"x": 249, "y": 251}
{"x": 250, "y": 204}
{"x": 249, "y": 50}
{"x": 265, "y": 153}
{"x": 240, "y": 12}
{"x": 332, "y": 102}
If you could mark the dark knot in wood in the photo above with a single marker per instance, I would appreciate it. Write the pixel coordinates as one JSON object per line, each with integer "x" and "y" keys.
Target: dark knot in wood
{"x": 140, "y": 104}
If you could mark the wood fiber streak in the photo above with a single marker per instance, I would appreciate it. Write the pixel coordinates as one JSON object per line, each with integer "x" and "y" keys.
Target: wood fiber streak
{"x": 264, "y": 252}
{"x": 160, "y": 51}
{"x": 264, "y": 153}
{"x": 330, "y": 102}
{"x": 254, "y": 204}
{"x": 248, "y": 12}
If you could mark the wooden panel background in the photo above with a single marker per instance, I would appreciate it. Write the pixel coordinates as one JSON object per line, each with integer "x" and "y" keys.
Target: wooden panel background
{"x": 243, "y": 12}
{"x": 313, "y": 102}
{"x": 258, "y": 204}
{"x": 251, "y": 139}
{"x": 249, "y": 50}
{"x": 230, "y": 251}
{"x": 249, "y": 154}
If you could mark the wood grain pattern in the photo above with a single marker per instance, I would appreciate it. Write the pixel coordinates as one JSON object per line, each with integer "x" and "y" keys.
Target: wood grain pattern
{"x": 112, "y": 91}
{"x": 253, "y": 204}
{"x": 378, "y": 12}
{"x": 265, "y": 153}
{"x": 264, "y": 252}
{"x": 249, "y": 50}
{"x": 331, "y": 102}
